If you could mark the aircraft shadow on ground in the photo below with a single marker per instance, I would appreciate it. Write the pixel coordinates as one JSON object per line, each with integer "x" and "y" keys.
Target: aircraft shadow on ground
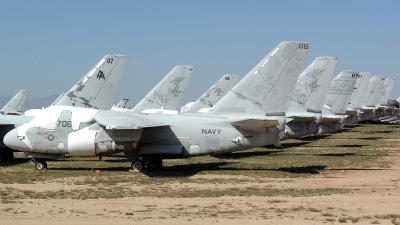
{"x": 350, "y": 146}
{"x": 191, "y": 170}
{"x": 313, "y": 138}
{"x": 16, "y": 161}
{"x": 239, "y": 155}
{"x": 301, "y": 169}
{"x": 337, "y": 154}
{"x": 187, "y": 170}
{"x": 356, "y": 169}
{"x": 369, "y": 138}
{"x": 293, "y": 145}
{"x": 110, "y": 169}
{"x": 383, "y": 131}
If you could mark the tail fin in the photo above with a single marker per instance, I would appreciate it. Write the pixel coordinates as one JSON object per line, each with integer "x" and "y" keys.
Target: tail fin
{"x": 340, "y": 91}
{"x": 16, "y": 105}
{"x": 386, "y": 90}
{"x": 122, "y": 103}
{"x": 359, "y": 90}
{"x": 58, "y": 99}
{"x": 268, "y": 87}
{"x": 312, "y": 86}
{"x": 97, "y": 89}
{"x": 169, "y": 93}
{"x": 215, "y": 93}
{"x": 372, "y": 94}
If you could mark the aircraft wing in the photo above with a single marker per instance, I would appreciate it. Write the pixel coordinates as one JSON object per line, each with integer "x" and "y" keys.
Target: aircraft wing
{"x": 300, "y": 119}
{"x": 256, "y": 124}
{"x": 367, "y": 109}
{"x": 119, "y": 120}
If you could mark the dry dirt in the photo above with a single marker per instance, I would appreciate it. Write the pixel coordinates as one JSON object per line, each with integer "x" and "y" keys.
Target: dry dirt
{"x": 370, "y": 196}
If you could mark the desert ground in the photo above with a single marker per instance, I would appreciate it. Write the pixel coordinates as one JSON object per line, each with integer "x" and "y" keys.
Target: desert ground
{"x": 348, "y": 177}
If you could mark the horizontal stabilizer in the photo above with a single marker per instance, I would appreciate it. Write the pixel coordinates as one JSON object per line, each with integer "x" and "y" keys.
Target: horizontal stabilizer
{"x": 256, "y": 124}
{"x": 120, "y": 120}
{"x": 300, "y": 118}
{"x": 328, "y": 119}
{"x": 367, "y": 109}
{"x": 351, "y": 112}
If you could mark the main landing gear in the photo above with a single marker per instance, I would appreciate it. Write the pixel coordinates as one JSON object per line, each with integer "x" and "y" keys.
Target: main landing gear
{"x": 39, "y": 164}
{"x": 149, "y": 163}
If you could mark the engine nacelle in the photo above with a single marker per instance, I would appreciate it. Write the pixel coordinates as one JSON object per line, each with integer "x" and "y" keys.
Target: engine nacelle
{"x": 81, "y": 143}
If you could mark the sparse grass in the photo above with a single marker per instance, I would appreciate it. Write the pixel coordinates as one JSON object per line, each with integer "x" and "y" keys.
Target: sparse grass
{"x": 314, "y": 210}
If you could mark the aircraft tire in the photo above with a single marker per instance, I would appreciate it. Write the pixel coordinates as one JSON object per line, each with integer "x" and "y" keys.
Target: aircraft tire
{"x": 40, "y": 165}
{"x": 137, "y": 165}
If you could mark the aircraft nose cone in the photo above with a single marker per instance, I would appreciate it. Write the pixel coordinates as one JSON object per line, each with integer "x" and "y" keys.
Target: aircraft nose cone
{"x": 11, "y": 140}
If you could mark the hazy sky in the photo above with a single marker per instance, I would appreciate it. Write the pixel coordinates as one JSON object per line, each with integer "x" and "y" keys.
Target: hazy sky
{"x": 47, "y": 46}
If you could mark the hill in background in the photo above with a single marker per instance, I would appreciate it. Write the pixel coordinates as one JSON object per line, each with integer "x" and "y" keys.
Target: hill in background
{"x": 36, "y": 103}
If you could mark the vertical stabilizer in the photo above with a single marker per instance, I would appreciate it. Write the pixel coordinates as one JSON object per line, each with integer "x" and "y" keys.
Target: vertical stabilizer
{"x": 97, "y": 89}
{"x": 215, "y": 93}
{"x": 122, "y": 104}
{"x": 58, "y": 99}
{"x": 386, "y": 90}
{"x": 169, "y": 93}
{"x": 340, "y": 91}
{"x": 268, "y": 87}
{"x": 359, "y": 90}
{"x": 372, "y": 94}
{"x": 16, "y": 105}
{"x": 312, "y": 86}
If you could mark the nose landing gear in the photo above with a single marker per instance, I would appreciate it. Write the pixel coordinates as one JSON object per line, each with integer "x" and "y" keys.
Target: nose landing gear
{"x": 39, "y": 164}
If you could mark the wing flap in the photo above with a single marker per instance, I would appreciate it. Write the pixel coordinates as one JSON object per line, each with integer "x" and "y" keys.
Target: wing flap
{"x": 119, "y": 120}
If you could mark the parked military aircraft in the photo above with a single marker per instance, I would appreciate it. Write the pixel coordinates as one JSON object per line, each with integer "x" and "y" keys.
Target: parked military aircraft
{"x": 304, "y": 112}
{"x": 16, "y": 105}
{"x": 354, "y": 108}
{"x": 167, "y": 96}
{"x": 97, "y": 89}
{"x": 212, "y": 95}
{"x": 121, "y": 105}
{"x": 252, "y": 114}
{"x": 371, "y": 97}
{"x": 337, "y": 99}
{"x": 382, "y": 111}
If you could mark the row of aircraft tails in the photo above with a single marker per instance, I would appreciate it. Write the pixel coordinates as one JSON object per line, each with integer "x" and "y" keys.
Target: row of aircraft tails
{"x": 273, "y": 102}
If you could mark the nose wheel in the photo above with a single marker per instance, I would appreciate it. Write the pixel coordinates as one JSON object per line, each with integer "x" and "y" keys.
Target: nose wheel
{"x": 39, "y": 164}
